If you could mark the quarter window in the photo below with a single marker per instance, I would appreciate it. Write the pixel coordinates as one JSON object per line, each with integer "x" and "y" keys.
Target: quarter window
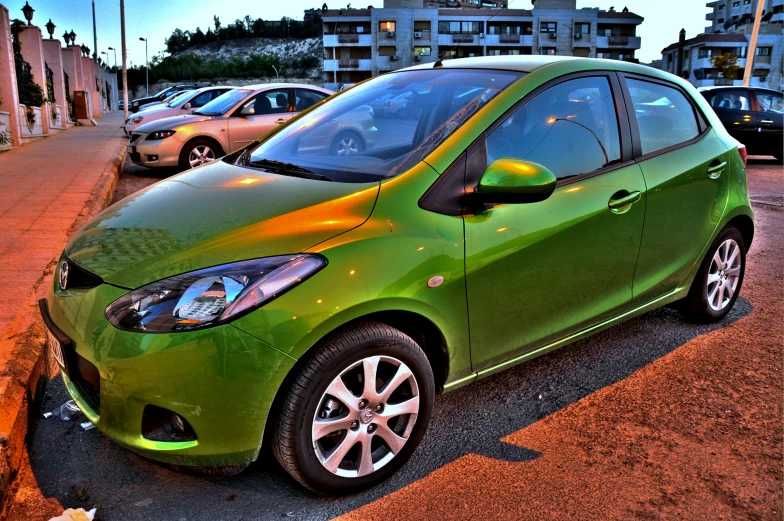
{"x": 270, "y": 102}
{"x": 306, "y": 98}
{"x": 571, "y": 128}
{"x": 664, "y": 116}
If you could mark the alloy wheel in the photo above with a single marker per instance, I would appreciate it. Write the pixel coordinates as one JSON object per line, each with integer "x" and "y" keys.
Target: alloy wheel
{"x": 200, "y": 154}
{"x": 365, "y": 416}
{"x": 724, "y": 274}
{"x": 347, "y": 146}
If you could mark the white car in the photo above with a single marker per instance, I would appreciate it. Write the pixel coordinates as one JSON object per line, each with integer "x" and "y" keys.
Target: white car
{"x": 183, "y": 103}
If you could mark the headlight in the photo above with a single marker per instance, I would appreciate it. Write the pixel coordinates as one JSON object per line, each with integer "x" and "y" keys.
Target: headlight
{"x": 135, "y": 103}
{"x": 211, "y": 296}
{"x": 161, "y": 134}
{"x": 136, "y": 121}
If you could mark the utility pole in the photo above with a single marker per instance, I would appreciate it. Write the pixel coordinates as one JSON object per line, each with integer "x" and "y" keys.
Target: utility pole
{"x": 124, "y": 60}
{"x": 753, "y": 44}
{"x": 95, "y": 37}
{"x": 147, "y": 67}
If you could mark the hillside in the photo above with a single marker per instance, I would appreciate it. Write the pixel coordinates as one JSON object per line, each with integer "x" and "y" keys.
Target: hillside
{"x": 286, "y": 49}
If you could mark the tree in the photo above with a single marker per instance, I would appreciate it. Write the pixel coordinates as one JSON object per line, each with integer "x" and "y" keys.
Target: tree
{"x": 727, "y": 63}
{"x": 217, "y": 23}
{"x": 198, "y": 37}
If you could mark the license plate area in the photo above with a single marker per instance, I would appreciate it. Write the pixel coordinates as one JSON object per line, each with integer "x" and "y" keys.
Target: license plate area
{"x": 56, "y": 342}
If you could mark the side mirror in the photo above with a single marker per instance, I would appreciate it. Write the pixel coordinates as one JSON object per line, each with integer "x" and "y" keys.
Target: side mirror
{"x": 511, "y": 180}
{"x": 187, "y": 106}
{"x": 247, "y": 110}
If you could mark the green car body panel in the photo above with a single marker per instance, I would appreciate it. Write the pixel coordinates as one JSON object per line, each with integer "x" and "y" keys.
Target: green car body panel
{"x": 542, "y": 267}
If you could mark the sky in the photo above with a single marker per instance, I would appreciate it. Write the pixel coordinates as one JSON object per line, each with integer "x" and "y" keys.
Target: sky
{"x": 156, "y": 19}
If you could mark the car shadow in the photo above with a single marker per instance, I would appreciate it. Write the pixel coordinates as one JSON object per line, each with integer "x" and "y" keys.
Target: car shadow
{"x": 469, "y": 420}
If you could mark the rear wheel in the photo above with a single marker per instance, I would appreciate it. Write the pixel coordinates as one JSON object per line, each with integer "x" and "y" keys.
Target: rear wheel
{"x": 356, "y": 411}
{"x": 198, "y": 152}
{"x": 717, "y": 284}
{"x": 347, "y": 144}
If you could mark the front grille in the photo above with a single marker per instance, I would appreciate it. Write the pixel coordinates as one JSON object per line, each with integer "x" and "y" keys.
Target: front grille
{"x": 79, "y": 278}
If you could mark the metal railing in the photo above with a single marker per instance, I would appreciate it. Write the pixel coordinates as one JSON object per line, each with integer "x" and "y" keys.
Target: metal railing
{"x": 49, "y": 83}
{"x": 348, "y": 64}
{"x": 348, "y": 38}
{"x": 462, "y": 37}
{"x": 68, "y": 101}
{"x": 510, "y": 38}
{"x": 618, "y": 40}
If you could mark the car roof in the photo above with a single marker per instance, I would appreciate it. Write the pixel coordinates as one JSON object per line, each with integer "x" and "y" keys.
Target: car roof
{"x": 262, "y": 86}
{"x": 521, "y": 63}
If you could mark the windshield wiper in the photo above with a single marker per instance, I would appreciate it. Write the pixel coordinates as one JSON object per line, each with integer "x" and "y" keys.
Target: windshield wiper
{"x": 199, "y": 113}
{"x": 288, "y": 169}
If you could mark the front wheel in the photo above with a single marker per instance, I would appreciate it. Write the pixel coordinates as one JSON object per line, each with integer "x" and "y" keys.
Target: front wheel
{"x": 717, "y": 284}
{"x": 198, "y": 152}
{"x": 356, "y": 411}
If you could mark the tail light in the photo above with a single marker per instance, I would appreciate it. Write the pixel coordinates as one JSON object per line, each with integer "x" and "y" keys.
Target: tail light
{"x": 743, "y": 154}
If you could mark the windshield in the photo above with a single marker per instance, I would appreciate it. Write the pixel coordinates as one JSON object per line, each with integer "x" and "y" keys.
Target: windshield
{"x": 224, "y": 103}
{"x": 361, "y": 137}
{"x": 179, "y": 99}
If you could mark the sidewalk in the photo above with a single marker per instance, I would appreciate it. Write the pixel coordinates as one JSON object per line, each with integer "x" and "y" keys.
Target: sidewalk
{"x": 43, "y": 188}
{"x": 48, "y": 190}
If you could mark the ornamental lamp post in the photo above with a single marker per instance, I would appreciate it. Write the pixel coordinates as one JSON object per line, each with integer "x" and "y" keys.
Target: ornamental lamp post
{"x": 115, "y": 57}
{"x": 28, "y": 13}
{"x": 50, "y": 27}
{"x": 85, "y": 49}
{"x": 73, "y": 37}
{"x": 67, "y": 38}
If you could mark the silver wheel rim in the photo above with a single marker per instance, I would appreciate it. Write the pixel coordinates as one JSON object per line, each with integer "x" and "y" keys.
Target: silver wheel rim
{"x": 200, "y": 155}
{"x": 347, "y": 146}
{"x": 724, "y": 274}
{"x": 365, "y": 416}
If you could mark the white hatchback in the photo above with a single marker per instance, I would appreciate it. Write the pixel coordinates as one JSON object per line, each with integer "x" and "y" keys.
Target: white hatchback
{"x": 183, "y": 103}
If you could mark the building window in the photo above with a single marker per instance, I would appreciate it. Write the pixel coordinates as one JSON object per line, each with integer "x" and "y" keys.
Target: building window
{"x": 548, "y": 51}
{"x": 422, "y": 51}
{"x": 763, "y": 51}
{"x": 582, "y": 29}
{"x": 746, "y": 2}
{"x": 387, "y": 27}
{"x": 387, "y": 50}
{"x": 740, "y": 52}
{"x": 720, "y": 21}
{"x": 704, "y": 52}
{"x": 459, "y": 27}
{"x": 548, "y": 27}
{"x": 494, "y": 52}
{"x": 735, "y": 4}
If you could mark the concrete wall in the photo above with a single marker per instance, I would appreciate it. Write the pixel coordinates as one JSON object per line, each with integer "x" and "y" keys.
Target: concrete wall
{"x": 53, "y": 56}
{"x": 9, "y": 98}
{"x": 33, "y": 53}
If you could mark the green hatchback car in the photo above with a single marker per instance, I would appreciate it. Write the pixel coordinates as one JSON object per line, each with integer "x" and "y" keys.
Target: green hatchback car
{"x": 316, "y": 303}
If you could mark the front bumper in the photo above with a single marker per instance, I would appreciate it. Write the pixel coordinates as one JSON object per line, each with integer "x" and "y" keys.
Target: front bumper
{"x": 221, "y": 380}
{"x": 155, "y": 154}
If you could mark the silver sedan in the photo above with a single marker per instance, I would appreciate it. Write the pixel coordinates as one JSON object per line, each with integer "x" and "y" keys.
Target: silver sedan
{"x": 237, "y": 119}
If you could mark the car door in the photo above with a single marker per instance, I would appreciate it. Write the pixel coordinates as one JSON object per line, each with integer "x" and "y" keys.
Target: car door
{"x": 770, "y": 111}
{"x": 538, "y": 272}
{"x": 270, "y": 109}
{"x": 685, "y": 165}
{"x": 734, "y": 108}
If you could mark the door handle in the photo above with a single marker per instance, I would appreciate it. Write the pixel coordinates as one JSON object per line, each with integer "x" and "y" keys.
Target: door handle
{"x": 281, "y": 121}
{"x": 715, "y": 171}
{"x": 767, "y": 121}
{"x": 631, "y": 198}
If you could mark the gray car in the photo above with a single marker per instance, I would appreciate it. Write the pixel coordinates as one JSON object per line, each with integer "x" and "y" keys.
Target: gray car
{"x": 235, "y": 120}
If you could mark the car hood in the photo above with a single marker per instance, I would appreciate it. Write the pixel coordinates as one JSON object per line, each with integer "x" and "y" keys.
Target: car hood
{"x": 171, "y": 123}
{"x": 215, "y": 215}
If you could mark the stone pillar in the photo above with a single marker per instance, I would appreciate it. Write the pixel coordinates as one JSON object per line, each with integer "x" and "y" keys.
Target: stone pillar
{"x": 88, "y": 73}
{"x": 33, "y": 53}
{"x": 53, "y": 56}
{"x": 72, "y": 65}
{"x": 9, "y": 96}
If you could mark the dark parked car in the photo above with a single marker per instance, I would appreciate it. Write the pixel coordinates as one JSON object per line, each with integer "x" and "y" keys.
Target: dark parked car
{"x": 755, "y": 117}
{"x": 136, "y": 104}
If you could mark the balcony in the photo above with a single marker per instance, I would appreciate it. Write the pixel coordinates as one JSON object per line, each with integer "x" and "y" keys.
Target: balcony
{"x": 347, "y": 40}
{"x": 623, "y": 42}
{"x": 776, "y": 3}
{"x": 493, "y": 40}
{"x": 461, "y": 38}
{"x": 347, "y": 65}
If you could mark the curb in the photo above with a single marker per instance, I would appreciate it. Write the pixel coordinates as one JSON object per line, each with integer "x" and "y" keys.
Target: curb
{"x": 27, "y": 365}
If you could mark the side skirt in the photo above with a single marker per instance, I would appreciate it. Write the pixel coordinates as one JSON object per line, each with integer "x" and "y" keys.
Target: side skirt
{"x": 659, "y": 302}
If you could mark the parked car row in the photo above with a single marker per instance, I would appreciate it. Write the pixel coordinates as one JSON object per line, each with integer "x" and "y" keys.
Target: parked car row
{"x": 138, "y": 103}
{"x": 205, "y": 124}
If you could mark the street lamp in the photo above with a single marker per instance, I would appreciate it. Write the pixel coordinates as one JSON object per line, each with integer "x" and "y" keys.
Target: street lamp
{"x": 147, "y": 68}
{"x": 67, "y": 38}
{"x": 28, "y": 13}
{"x": 85, "y": 50}
{"x": 115, "y": 57}
{"x": 107, "y": 58}
{"x": 50, "y": 27}
{"x": 73, "y": 37}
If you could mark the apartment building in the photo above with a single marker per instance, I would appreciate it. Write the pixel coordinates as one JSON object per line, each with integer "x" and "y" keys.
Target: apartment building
{"x": 361, "y": 43}
{"x": 732, "y": 22}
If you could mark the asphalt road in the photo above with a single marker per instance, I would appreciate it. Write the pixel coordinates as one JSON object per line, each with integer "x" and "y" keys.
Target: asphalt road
{"x": 65, "y": 459}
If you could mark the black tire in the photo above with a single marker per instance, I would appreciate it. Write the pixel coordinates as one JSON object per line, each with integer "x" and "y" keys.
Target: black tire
{"x": 343, "y": 137}
{"x": 190, "y": 146}
{"x": 696, "y": 306}
{"x": 292, "y": 438}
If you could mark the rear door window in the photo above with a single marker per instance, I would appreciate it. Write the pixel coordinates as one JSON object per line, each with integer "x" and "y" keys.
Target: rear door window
{"x": 664, "y": 116}
{"x": 736, "y": 99}
{"x": 306, "y": 98}
{"x": 770, "y": 102}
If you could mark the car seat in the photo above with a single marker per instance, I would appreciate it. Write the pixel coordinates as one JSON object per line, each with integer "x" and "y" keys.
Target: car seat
{"x": 282, "y": 101}
{"x": 263, "y": 105}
